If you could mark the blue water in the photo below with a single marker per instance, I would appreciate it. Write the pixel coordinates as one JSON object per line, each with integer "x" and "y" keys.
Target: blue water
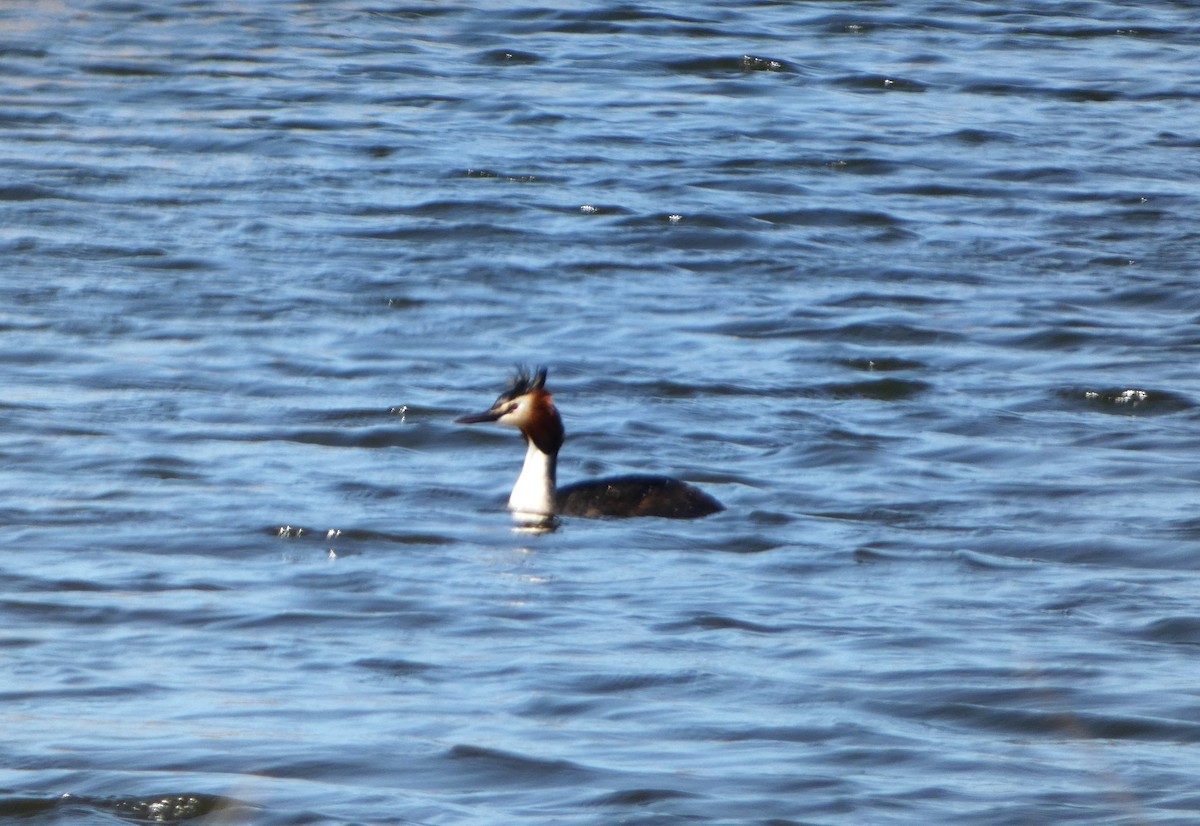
{"x": 911, "y": 288}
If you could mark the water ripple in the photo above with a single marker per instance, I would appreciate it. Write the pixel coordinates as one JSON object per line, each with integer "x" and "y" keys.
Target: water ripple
{"x": 909, "y": 288}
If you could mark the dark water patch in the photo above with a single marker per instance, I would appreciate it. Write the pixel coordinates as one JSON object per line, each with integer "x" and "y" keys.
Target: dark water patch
{"x": 14, "y": 642}
{"x": 889, "y": 332}
{"x": 1037, "y": 174}
{"x": 881, "y": 83}
{"x": 1172, "y": 631}
{"x": 1078, "y": 94}
{"x": 379, "y": 151}
{"x": 103, "y": 252}
{"x": 691, "y": 222}
{"x": 404, "y": 303}
{"x": 717, "y": 622}
{"x": 19, "y": 245}
{"x": 829, "y": 218}
{"x": 945, "y": 191}
{"x": 883, "y": 364}
{"x": 1112, "y": 261}
{"x": 1188, "y": 528}
{"x": 402, "y": 669}
{"x": 173, "y": 263}
{"x": 1174, "y": 140}
{"x": 1116, "y": 29}
{"x": 511, "y": 177}
{"x": 509, "y": 57}
{"x": 419, "y": 101}
{"x": 779, "y": 733}
{"x": 292, "y": 124}
{"x": 418, "y": 12}
{"x": 980, "y": 137}
{"x": 885, "y": 390}
{"x": 1056, "y": 724}
{"x": 133, "y": 584}
{"x": 453, "y": 234}
{"x": 25, "y": 807}
{"x": 1138, "y": 216}
{"x": 1069, "y": 336}
{"x": 873, "y": 300}
{"x": 95, "y": 692}
{"x": 455, "y": 210}
{"x": 510, "y": 768}
{"x": 1126, "y": 401}
{"x": 862, "y": 166}
{"x": 555, "y": 708}
{"x": 637, "y": 797}
{"x": 728, "y": 66}
{"x": 127, "y": 69}
{"x": 26, "y": 192}
{"x": 357, "y": 535}
{"x": 630, "y": 683}
{"x": 747, "y": 544}
{"x": 168, "y": 808}
{"x": 174, "y": 808}
{"x": 621, "y": 12}
{"x": 359, "y": 416}
{"x": 754, "y": 63}
{"x": 396, "y": 615}
{"x": 1031, "y": 90}
{"x": 22, "y": 51}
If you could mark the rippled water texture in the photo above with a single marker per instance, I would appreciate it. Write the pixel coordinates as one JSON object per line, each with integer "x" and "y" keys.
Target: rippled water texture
{"x": 910, "y": 287}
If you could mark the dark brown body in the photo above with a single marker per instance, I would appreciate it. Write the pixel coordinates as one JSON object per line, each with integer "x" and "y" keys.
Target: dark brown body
{"x": 635, "y": 495}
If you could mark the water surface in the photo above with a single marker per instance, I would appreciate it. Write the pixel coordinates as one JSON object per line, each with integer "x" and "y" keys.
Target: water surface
{"x": 909, "y": 287}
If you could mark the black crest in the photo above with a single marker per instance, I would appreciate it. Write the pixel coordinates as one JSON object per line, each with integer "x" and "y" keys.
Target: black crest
{"x": 523, "y": 382}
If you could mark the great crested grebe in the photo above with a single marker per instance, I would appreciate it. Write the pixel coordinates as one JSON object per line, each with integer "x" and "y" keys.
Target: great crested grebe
{"x": 527, "y": 406}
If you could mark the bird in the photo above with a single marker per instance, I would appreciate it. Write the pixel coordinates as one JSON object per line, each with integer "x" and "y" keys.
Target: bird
{"x": 528, "y": 406}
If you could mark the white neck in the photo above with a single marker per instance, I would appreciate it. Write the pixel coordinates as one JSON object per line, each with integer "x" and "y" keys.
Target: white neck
{"x": 533, "y": 495}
